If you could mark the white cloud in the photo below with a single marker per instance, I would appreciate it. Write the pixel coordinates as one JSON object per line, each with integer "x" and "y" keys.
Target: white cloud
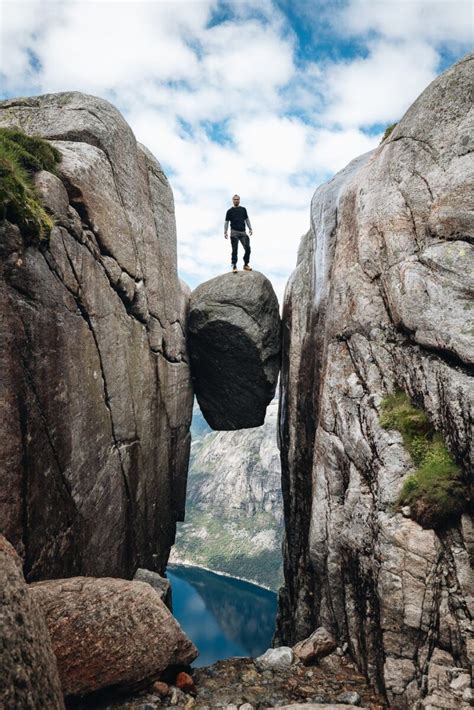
{"x": 380, "y": 87}
{"x": 20, "y": 23}
{"x": 439, "y": 21}
{"x": 271, "y": 143}
{"x": 333, "y": 150}
{"x": 99, "y": 46}
{"x": 246, "y": 57}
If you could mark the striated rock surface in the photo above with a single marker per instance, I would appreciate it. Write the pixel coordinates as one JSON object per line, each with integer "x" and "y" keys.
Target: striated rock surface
{"x": 109, "y": 632}
{"x": 28, "y": 670}
{"x": 382, "y": 298}
{"x": 234, "y": 342}
{"x": 96, "y": 390}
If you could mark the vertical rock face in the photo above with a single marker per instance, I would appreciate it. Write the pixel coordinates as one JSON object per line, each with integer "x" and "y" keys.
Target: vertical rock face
{"x": 28, "y": 670}
{"x": 95, "y": 381}
{"x": 382, "y": 298}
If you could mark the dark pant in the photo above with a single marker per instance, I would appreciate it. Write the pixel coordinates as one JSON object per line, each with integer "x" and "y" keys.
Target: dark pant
{"x": 244, "y": 239}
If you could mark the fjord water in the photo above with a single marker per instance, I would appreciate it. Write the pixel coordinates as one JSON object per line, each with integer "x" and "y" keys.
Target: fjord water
{"x": 223, "y": 616}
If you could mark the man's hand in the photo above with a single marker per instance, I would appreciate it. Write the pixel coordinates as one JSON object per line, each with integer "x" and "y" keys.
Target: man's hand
{"x": 250, "y": 232}
{"x": 226, "y": 236}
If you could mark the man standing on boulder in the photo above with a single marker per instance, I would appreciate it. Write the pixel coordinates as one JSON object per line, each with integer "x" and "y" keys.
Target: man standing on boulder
{"x": 238, "y": 218}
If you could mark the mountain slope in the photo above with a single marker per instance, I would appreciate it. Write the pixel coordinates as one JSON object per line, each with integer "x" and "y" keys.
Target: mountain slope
{"x": 234, "y": 511}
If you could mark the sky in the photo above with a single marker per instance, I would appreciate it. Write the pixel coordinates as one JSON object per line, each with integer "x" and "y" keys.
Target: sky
{"x": 264, "y": 98}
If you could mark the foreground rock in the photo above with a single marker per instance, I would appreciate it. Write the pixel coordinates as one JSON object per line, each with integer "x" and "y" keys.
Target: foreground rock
{"x": 234, "y": 341}
{"x": 109, "y": 633}
{"x": 238, "y": 684}
{"x": 28, "y": 670}
{"x": 382, "y": 299}
{"x": 160, "y": 584}
{"x": 96, "y": 393}
{"x": 318, "y": 645}
{"x": 321, "y": 706}
{"x": 275, "y": 659}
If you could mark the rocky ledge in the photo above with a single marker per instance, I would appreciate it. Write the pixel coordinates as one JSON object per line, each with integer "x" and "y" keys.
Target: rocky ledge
{"x": 234, "y": 343}
{"x": 241, "y": 684}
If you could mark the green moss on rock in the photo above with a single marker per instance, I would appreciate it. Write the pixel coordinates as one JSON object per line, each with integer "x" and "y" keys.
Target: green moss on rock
{"x": 388, "y": 131}
{"x": 20, "y": 157}
{"x": 435, "y": 492}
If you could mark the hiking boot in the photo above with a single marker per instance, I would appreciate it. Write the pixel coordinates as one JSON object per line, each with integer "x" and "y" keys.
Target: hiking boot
{"x": 234, "y": 269}
{"x": 247, "y": 267}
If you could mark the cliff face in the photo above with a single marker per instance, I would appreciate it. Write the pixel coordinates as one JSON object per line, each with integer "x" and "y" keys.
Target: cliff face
{"x": 96, "y": 388}
{"x": 382, "y": 299}
{"x": 234, "y": 510}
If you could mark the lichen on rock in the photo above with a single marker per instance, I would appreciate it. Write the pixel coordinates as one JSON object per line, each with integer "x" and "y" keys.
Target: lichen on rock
{"x": 21, "y": 156}
{"x": 435, "y": 492}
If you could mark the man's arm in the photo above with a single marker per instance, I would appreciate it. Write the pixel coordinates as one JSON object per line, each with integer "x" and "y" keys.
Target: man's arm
{"x": 226, "y": 223}
{"x": 247, "y": 222}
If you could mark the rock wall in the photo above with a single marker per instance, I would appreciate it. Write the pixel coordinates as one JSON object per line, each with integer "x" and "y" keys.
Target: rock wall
{"x": 96, "y": 391}
{"x": 28, "y": 669}
{"x": 382, "y": 298}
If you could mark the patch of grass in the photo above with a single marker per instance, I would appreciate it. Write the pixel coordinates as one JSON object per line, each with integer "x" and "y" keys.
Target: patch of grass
{"x": 20, "y": 157}
{"x": 436, "y": 492}
{"x": 388, "y": 131}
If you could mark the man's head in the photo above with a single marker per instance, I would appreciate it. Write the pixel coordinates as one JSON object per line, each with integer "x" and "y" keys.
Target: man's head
{"x": 236, "y": 200}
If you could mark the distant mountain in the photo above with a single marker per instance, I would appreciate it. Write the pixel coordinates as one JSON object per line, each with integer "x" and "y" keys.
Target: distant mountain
{"x": 199, "y": 426}
{"x": 234, "y": 511}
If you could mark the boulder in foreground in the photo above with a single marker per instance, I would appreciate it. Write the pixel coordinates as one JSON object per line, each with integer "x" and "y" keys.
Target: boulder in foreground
{"x": 28, "y": 671}
{"x": 318, "y": 645}
{"x": 109, "y": 632}
{"x": 234, "y": 341}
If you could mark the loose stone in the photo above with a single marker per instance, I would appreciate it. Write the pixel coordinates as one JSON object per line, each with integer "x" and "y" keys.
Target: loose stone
{"x": 277, "y": 659}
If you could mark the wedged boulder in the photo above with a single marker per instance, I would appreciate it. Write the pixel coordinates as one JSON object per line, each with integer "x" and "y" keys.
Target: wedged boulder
{"x": 109, "y": 632}
{"x": 234, "y": 342}
{"x": 28, "y": 670}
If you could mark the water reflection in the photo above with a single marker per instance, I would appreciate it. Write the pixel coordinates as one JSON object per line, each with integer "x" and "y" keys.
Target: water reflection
{"x": 223, "y": 616}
